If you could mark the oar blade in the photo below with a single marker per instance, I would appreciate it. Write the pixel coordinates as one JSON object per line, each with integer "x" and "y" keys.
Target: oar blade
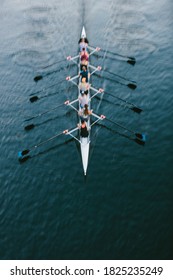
{"x": 23, "y": 153}
{"x": 141, "y": 138}
{"x": 29, "y": 126}
{"x": 136, "y": 109}
{"x": 132, "y": 86}
{"x": 132, "y": 62}
{"x": 37, "y": 78}
{"x": 33, "y": 99}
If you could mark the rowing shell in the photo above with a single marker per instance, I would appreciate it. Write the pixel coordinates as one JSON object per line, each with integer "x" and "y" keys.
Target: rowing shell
{"x": 84, "y": 141}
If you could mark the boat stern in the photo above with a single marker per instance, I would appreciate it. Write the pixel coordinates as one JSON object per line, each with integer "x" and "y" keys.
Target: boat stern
{"x": 85, "y": 144}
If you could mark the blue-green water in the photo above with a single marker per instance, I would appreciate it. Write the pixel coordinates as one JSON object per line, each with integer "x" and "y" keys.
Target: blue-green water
{"x": 124, "y": 208}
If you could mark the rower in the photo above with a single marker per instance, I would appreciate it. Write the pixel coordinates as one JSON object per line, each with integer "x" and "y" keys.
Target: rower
{"x": 83, "y": 129}
{"x": 84, "y": 73}
{"x": 84, "y": 54}
{"x": 84, "y": 59}
{"x": 85, "y": 113}
{"x": 83, "y": 86}
{"x": 83, "y": 99}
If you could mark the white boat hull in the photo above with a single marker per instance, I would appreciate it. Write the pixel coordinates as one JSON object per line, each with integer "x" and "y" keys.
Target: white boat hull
{"x": 85, "y": 145}
{"x": 85, "y": 141}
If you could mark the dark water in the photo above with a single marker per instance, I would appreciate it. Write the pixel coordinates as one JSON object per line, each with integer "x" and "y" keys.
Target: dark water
{"x": 124, "y": 209}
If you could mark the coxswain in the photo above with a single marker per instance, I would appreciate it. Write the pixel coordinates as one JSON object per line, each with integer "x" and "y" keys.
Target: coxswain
{"x": 83, "y": 43}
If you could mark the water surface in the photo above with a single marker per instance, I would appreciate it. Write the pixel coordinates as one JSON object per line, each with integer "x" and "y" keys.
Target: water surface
{"x": 123, "y": 209}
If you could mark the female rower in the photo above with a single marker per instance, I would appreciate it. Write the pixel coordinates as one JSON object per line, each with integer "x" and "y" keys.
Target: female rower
{"x": 83, "y": 99}
{"x": 84, "y": 58}
{"x": 84, "y": 54}
{"x": 83, "y": 86}
{"x": 85, "y": 113}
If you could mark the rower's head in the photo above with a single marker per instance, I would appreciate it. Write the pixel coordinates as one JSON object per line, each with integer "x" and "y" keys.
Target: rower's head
{"x": 84, "y": 68}
{"x": 83, "y": 123}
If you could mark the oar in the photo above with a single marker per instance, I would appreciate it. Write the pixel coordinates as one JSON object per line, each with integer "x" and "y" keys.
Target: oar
{"x": 25, "y": 152}
{"x": 130, "y": 85}
{"x": 105, "y": 70}
{"x": 130, "y": 60}
{"x": 49, "y": 65}
{"x": 115, "y": 131}
{"x": 31, "y": 126}
{"x": 47, "y": 87}
{"x": 134, "y": 107}
{"x": 40, "y": 77}
{"x": 140, "y": 138}
{"x": 35, "y": 98}
{"x": 37, "y": 78}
